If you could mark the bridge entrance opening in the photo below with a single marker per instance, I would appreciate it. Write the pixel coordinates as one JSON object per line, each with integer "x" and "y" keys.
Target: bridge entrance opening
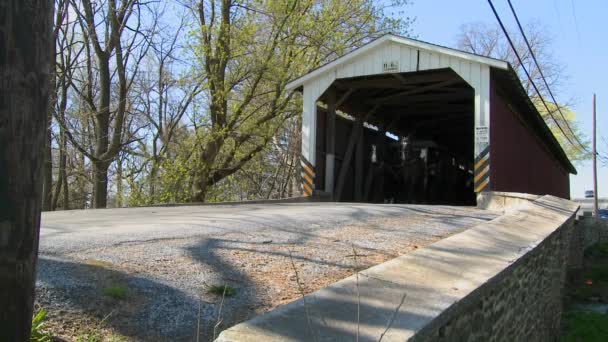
{"x": 397, "y": 138}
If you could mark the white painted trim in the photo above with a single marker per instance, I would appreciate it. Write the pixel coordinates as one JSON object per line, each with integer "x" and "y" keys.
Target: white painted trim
{"x": 400, "y": 40}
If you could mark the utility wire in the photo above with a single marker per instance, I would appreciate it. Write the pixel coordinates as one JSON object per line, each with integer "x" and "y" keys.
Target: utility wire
{"x": 521, "y": 30}
{"x": 504, "y": 30}
{"x": 578, "y": 33}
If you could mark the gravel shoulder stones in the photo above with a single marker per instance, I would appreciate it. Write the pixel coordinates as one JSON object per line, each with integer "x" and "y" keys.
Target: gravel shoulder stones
{"x": 167, "y": 258}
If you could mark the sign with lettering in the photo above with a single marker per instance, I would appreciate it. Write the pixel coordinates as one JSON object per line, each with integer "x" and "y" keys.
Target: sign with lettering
{"x": 482, "y": 134}
{"x": 390, "y": 66}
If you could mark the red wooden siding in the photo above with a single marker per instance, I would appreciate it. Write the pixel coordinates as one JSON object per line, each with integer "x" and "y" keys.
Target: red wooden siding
{"x": 520, "y": 162}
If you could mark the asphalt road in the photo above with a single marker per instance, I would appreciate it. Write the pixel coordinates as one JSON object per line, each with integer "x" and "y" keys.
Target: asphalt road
{"x": 75, "y": 230}
{"x": 168, "y": 256}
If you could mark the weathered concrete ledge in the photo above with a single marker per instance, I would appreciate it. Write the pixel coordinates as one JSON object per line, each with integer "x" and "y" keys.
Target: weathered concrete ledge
{"x": 503, "y": 201}
{"x": 500, "y": 280}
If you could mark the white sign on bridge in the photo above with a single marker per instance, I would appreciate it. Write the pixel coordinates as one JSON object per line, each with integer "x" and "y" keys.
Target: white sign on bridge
{"x": 482, "y": 134}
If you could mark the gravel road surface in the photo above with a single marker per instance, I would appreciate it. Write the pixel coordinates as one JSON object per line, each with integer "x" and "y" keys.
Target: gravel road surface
{"x": 146, "y": 273}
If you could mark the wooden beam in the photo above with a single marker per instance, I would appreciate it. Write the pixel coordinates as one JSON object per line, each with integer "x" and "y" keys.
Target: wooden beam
{"x": 348, "y": 155}
{"x": 418, "y": 77}
{"x": 425, "y": 123}
{"x": 430, "y": 98}
{"x": 359, "y": 161}
{"x": 344, "y": 97}
{"x": 417, "y": 90}
{"x": 397, "y": 81}
{"x": 429, "y": 111}
{"x": 354, "y": 134}
{"x": 376, "y": 171}
{"x": 330, "y": 141}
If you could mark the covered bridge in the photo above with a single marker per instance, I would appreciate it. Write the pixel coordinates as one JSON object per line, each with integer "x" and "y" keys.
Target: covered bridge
{"x": 401, "y": 120}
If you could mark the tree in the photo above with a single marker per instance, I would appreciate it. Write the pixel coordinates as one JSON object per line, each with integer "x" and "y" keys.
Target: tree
{"x": 484, "y": 40}
{"x": 169, "y": 102}
{"x": 25, "y": 58}
{"x": 110, "y": 49}
{"x": 47, "y": 190}
{"x": 163, "y": 97}
{"x": 249, "y": 51}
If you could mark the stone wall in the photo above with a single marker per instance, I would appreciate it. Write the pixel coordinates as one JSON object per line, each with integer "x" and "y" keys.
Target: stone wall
{"x": 586, "y": 232}
{"x": 498, "y": 281}
{"x": 522, "y": 303}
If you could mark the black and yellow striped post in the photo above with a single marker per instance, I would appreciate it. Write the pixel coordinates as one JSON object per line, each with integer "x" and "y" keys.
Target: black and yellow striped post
{"x": 481, "y": 175}
{"x": 308, "y": 177}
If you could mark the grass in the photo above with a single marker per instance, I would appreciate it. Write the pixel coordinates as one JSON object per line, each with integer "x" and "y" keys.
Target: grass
{"x": 97, "y": 263}
{"x": 36, "y": 334}
{"x": 585, "y": 326}
{"x": 581, "y": 325}
{"x": 222, "y": 290}
{"x": 586, "y": 293}
{"x": 116, "y": 291}
{"x": 597, "y": 250}
{"x": 89, "y": 337}
{"x": 597, "y": 273}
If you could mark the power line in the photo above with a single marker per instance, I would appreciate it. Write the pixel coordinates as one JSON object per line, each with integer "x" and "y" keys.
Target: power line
{"x": 578, "y": 33}
{"x": 521, "y": 30}
{"x": 504, "y": 30}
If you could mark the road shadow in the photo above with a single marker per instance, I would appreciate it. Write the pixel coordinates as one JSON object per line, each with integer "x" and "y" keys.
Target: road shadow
{"x": 150, "y": 310}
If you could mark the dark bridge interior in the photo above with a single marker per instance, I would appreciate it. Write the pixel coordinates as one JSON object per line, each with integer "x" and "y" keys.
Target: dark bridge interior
{"x": 403, "y": 138}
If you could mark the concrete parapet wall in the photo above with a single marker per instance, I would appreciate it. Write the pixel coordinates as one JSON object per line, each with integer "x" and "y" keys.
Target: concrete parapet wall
{"x": 503, "y": 201}
{"x": 498, "y": 281}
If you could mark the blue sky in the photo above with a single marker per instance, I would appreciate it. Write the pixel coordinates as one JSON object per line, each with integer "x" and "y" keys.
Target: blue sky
{"x": 579, "y": 44}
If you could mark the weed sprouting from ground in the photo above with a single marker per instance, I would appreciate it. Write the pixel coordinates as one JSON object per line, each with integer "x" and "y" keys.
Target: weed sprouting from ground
{"x": 37, "y": 335}
{"x": 358, "y": 292}
{"x": 224, "y": 290}
{"x": 301, "y": 291}
{"x": 392, "y": 319}
{"x": 97, "y": 263}
{"x": 198, "y": 317}
{"x": 89, "y": 337}
{"x": 116, "y": 291}
{"x": 219, "y": 314}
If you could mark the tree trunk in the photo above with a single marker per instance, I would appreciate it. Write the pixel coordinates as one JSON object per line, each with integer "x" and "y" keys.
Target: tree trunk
{"x": 100, "y": 184}
{"x": 82, "y": 183}
{"x": 100, "y": 168}
{"x": 47, "y": 189}
{"x": 119, "y": 194}
{"x": 25, "y": 57}
{"x": 152, "y": 185}
{"x": 58, "y": 188}
{"x": 65, "y": 203}
{"x": 200, "y": 189}
{"x": 61, "y": 185}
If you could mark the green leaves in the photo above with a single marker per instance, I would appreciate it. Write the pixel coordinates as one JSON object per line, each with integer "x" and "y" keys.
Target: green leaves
{"x": 574, "y": 152}
{"x": 37, "y": 335}
{"x": 251, "y": 54}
